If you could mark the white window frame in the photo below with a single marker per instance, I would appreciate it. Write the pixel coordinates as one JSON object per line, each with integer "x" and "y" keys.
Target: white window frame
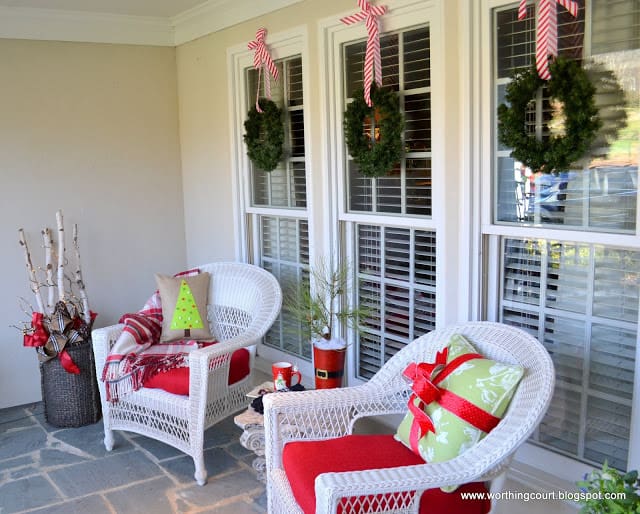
{"x": 281, "y": 45}
{"x": 488, "y": 244}
{"x": 452, "y": 283}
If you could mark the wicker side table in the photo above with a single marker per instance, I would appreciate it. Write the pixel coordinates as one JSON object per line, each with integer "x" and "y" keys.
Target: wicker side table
{"x": 252, "y": 438}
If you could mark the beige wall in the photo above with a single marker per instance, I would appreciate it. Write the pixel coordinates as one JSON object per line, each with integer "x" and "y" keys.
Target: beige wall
{"x": 91, "y": 129}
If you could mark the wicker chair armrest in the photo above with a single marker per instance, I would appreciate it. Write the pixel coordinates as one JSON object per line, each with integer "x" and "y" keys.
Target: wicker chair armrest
{"x": 404, "y": 484}
{"x": 209, "y": 375}
{"x": 210, "y": 358}
{"x": 102, "y": 340}
{"x": 326, "y": 413}
{"x": 322, "y": 414}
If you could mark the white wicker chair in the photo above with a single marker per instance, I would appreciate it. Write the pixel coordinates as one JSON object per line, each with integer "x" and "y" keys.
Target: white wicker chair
{"x": 330, "y": 413}
{"x": 244, "y": 301}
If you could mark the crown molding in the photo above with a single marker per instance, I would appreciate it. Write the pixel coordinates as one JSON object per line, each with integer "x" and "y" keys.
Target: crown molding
{"x": 216, "y": 15}
{"x": 80, "y": 26}
{"x": 59, "y": 25}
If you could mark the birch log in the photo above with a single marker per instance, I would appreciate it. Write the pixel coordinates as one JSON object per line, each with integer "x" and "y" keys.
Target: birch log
{"x": 86, "y": 312}
{"x": 59, "y": 221}
{"x": 35, "y": 285}
{"x": 48, "y": 262}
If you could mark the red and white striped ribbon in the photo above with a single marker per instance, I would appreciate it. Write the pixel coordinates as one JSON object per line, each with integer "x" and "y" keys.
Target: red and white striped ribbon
{"x": 372, "y": 65}
{"x": 262, "y": 59}
{"x": 547, "y": 30}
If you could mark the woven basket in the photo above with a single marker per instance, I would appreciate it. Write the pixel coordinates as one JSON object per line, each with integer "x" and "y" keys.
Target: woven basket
{"x": 71, "y": 400}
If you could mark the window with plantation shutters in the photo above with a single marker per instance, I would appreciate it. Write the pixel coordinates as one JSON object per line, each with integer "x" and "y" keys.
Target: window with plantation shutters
{"x": 581, "y": 300}
{"x": 397, "y": 277}
{"x": 279, "y": 221}
{"x": 579, "y": 294}
{"x": 395, "y": 264}
{"x": 285, "y": 253}
{"x": 406, "y": 189}
{"x": 285, "y": 186}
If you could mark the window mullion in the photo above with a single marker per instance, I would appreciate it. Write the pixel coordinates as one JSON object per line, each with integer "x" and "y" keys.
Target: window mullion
{"x": 586, "y": 366}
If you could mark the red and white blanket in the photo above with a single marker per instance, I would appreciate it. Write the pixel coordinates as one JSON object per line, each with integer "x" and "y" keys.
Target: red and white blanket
{"x": 138, "y": 354}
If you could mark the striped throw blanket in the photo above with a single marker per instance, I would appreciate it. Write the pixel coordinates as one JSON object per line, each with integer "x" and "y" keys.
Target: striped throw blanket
{"x": 138, "y": 354}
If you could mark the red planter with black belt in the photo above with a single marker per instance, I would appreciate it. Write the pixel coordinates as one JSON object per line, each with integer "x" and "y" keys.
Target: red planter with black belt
{"x": 329, "y": 367}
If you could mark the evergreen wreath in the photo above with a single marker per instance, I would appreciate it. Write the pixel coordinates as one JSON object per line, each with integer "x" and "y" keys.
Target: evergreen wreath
{"x": 570, "y": 84}
{"x": 376, "y": 156}
{"x": 264, "y": 135}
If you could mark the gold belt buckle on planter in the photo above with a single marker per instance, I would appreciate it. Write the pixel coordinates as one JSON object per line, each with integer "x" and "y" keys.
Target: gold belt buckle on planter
{"x": 322, "y": 373}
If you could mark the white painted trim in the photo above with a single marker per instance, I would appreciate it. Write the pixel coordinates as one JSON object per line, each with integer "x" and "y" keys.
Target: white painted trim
{"x": 90, "y": 27}
{"x": 579, "y": 236}
{"x": 546, "y": 462}
{"x": 58, "y": 25}
{"x": 216, "y": 15}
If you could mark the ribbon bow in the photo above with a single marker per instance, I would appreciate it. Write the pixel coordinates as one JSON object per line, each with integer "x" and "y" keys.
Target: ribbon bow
{"x": 38, "y": 335}
{"x": 372, "y": 64}
{"x": 262, "y": 59}
{"x": 547, "y": 30}
{"x": 425, "y": 377}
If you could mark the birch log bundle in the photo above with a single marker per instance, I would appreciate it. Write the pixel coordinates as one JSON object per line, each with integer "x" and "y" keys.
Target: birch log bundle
{"x": 51, "y": 277}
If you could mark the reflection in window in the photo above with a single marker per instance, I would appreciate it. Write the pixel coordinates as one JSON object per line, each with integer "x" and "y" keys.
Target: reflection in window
{"x": 601, "y": 193}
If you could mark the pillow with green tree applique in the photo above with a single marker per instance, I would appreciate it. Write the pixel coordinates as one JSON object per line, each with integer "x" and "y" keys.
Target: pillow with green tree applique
{"x": 184, "y": 307}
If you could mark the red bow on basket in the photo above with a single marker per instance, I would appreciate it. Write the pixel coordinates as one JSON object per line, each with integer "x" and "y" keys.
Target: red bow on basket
{"x": 426, "y": 377}
{"x": 38, "y": 337}
{"x": 50, "y": 334}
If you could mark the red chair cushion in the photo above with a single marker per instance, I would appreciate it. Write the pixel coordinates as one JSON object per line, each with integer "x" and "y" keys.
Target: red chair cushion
{"x": 176, "y": 380}
{"x": 304, "y": 461}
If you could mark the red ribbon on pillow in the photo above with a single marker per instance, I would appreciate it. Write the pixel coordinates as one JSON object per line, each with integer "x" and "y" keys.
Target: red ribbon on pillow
{"x": 425, "y": 377}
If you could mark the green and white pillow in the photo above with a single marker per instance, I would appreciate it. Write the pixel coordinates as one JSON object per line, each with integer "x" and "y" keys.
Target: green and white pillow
{"x": 486, "y": 383}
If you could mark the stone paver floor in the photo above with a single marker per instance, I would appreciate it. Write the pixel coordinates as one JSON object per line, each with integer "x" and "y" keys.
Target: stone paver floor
{"x": 45, "y": 469}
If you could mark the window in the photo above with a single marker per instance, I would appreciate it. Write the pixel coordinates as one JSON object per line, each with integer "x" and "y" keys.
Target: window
{"x": 396, "y": 270}
{"x": 577, "y": 292}
{"x": 391, "y": 237}
{"x": 581, "y": 301}
{"x": 278, "y": 219}
{"x": 600, "y": 195}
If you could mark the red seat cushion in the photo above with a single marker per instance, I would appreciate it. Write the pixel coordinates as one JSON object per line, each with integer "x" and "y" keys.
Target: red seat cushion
{"x": 304, "y": 461}
{"x": 176, "y": 380}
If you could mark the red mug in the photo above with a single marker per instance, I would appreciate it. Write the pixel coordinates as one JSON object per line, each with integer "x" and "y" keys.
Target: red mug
{"x": 282, "y": 374}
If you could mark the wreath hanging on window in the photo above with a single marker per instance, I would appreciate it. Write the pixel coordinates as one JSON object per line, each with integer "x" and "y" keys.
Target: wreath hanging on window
{"x": 264, "y": 135}
{"x": 377, "y": 153}
{"x": 570, "y": 85}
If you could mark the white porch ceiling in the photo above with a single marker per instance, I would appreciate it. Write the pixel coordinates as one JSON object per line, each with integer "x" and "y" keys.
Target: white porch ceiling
{"x": 146, "y": 8}
{"x": 142, "y": 22}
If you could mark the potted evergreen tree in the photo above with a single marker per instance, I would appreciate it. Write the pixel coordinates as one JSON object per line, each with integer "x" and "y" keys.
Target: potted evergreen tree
{"x": 320, "y": 305}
